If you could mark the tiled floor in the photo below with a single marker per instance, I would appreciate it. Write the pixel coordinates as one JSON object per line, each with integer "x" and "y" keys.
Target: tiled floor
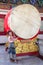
{"x": 4, "y": 59}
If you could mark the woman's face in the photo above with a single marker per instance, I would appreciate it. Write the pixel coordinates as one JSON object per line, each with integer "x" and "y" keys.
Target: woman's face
{"x": 10, "y": 33}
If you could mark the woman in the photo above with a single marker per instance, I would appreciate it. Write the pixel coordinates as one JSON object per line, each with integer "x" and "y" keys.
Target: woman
{"x": 11, "y": 48}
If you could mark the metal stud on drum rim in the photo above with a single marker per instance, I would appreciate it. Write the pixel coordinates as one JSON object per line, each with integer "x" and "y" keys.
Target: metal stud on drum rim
{"x": 15, "y": 21}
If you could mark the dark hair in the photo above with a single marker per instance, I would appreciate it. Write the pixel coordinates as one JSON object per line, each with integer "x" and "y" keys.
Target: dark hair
{"x": 9, "y": 32}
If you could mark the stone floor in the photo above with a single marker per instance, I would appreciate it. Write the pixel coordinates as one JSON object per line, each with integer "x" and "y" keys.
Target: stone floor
{"x": 4, "y": 59}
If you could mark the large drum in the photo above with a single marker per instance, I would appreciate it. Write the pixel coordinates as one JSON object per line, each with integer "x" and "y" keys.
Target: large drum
{"x": 24, "y": 20}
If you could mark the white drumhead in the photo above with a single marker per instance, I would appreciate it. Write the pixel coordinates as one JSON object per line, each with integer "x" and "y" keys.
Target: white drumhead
{"x": 24, "y": 21}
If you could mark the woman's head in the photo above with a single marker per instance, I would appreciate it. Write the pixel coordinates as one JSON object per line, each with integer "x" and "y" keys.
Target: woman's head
{"x": 10, "y": 33}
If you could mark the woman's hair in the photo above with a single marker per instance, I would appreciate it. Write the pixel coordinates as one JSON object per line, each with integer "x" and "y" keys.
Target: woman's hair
{"x": 9, "y": 32}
